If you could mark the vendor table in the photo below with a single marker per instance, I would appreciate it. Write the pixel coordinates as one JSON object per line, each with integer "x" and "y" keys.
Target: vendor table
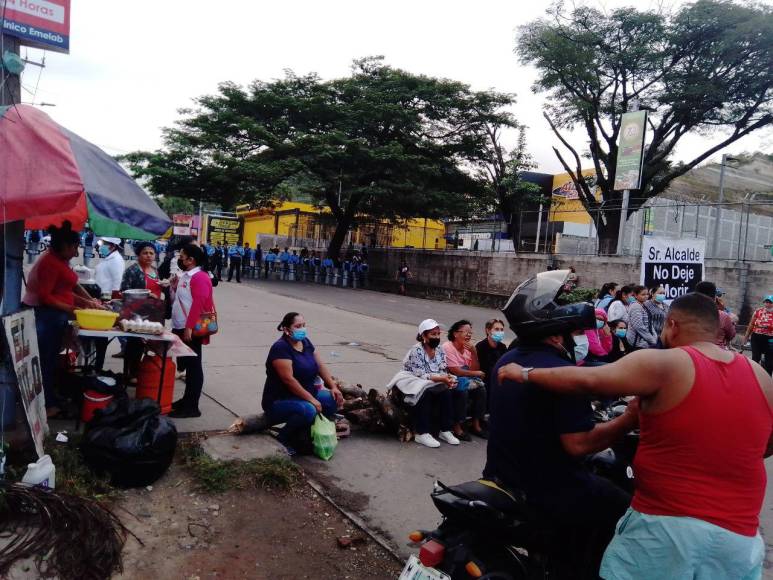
{"x": 165, "y": 341}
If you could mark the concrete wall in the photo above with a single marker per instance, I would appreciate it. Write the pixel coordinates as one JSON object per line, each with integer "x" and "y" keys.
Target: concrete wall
{"x": 491, "y": 278}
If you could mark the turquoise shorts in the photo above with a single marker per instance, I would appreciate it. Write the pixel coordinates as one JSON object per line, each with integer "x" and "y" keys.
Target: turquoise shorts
{"x": 679, "y": 548}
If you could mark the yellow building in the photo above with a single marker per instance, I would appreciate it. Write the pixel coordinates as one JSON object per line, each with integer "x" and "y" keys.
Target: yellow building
{"x": 304, "y": 221}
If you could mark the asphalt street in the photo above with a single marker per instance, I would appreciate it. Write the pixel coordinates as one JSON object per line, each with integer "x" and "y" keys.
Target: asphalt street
{"x": 363, "y": 336}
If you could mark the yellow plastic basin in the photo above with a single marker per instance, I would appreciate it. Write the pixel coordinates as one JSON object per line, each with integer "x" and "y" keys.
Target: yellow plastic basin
{"x": 93, "y": 319}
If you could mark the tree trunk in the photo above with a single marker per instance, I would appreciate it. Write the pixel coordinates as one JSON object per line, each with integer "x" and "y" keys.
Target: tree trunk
{"x": 342, "y": 228}
{"x": 608, "y": 233}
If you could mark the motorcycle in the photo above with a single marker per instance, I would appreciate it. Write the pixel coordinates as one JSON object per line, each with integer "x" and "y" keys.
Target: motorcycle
{"x": 490, "y": 532}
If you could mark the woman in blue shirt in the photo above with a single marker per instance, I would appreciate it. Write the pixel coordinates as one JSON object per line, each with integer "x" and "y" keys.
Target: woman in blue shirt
{"x": 292, "y": 394}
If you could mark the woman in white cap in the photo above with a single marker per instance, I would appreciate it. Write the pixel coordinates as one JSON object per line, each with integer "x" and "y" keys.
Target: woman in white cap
{"x": 427, "y": 361}
{"x": 110, "y": 268}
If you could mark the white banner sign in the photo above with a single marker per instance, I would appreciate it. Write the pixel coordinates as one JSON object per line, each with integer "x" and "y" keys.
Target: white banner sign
{"x": 23, "y": 342}
{"x": 677, "y": 265}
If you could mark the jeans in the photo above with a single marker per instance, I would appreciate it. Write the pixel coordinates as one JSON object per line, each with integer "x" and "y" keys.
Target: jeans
{"x": 50, "y": 324}
{"x": 761, "y": 346}
{"x": 433, "y": 403}
{"x": 462, "y": 400}
{"x": 194, "y": 374}
{"x": 298, "y": 414}
{"x": 235, "y": 266}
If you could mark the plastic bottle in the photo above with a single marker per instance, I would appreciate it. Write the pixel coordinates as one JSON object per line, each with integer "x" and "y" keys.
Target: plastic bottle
{"x": 41, "y": 473}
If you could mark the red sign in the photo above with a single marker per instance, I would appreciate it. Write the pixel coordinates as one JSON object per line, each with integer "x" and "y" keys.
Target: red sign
{"x": 39, "y": 23}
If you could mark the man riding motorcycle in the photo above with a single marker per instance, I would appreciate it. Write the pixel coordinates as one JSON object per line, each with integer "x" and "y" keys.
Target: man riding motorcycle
{"x": 538, "y": 438}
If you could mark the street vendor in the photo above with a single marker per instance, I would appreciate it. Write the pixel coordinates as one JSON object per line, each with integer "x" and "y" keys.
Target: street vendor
{"x": 292, "y": 394}
{"x": 53, "y": 291}
{"x": 142, "y": 274}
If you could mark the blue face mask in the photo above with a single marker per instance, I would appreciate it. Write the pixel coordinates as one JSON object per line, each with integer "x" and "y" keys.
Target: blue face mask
{"x": 104, "y": 251}
{"x": 621, "y": 332}
{"x": 299, "y": 334}
{"x": 660, "y": 297}
{"x": 497, "y": 336}
{"x": 599, "y": 324}
{"x": 631, "y": 299}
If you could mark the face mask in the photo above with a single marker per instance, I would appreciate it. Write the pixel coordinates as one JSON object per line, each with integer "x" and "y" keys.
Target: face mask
{"x": 433, "y": 342}
{"x": 599, "y": 324}
{"x": 580, "y": 347}
{"x": 104, "y": 251}
{"x": 631, "y": 299}
{"x": 660, "y": 297}
{"x": 769, "y": 308}
{"x": 299, "y": 333}
{"x": 621, "y": 332}
{"x": 497, "y": 336}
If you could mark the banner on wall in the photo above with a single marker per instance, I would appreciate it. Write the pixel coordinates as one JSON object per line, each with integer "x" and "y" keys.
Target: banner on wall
{"x": 23, "y": 345}
{"x": 183, "y": 224}
{"x": 675, "y": 264}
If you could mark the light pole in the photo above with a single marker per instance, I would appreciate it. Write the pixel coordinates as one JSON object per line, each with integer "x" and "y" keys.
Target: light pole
{"x": 718, "y": 224}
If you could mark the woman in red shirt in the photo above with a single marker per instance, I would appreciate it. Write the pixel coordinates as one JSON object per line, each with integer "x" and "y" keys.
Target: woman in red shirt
{"x": 53, "y": 291}
{"x": 761, "y": 330}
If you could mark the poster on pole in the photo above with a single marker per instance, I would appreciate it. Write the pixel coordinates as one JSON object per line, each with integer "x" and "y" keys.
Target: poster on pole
{"x": 630, "y": 150}
{"x": 675, "y": 264}
{"x": 22, "y": 340}
{"x": 183, "y": 223}
{"x": 228, "y": 230}
{"x": 38, "y": 23}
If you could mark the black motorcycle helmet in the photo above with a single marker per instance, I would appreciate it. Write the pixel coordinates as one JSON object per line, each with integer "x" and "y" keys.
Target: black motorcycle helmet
{"x": 534, "y": 312}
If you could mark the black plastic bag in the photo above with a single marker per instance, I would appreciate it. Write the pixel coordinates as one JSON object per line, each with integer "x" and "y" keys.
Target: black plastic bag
{"x": 131, "y": 441}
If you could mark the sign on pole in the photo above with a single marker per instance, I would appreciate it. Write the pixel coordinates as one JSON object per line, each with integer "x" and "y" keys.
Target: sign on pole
{"x": 23, "y": 344}
{"x": 39, "y": 23}
{"x": 630, "y": 150}
{"x": 183, "y": 223}
{"x": 227, "y": 230}
{"x": 675, "y": 264}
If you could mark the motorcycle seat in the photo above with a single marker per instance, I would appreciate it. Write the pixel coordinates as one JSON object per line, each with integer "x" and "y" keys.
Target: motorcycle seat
{"x": 506, "y": 501}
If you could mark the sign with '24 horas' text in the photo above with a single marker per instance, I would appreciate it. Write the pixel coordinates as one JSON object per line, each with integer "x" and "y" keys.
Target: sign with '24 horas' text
{"x": 677, "y": 265}
{"x": 39, "y": 23}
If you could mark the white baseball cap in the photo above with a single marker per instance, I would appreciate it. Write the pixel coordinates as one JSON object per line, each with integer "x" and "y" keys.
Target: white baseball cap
{"x": 114, "y": 241}
{"x": 428, "y": 324}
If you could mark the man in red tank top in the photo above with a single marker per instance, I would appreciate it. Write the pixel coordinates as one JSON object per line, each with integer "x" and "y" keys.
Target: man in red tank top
{"x": 706, "y": 419}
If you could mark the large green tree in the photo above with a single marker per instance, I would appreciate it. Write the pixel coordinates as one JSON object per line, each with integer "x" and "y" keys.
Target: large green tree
{"x": 382, "y": 143}
{"x": 705, "y": 69}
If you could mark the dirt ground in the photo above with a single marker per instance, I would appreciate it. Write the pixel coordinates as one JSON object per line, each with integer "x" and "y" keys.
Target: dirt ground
{"x": 242, "y": 534}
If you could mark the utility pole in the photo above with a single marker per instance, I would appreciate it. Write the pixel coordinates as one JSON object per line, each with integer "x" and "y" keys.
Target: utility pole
{"x": 11, "y": 235}
{"x": 633, "y": 106}
{"x": 718, "y": 224}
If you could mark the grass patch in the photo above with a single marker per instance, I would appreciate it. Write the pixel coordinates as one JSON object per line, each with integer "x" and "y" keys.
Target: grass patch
{"x": 73, "y": 476}
{"x": 213, "y": 476}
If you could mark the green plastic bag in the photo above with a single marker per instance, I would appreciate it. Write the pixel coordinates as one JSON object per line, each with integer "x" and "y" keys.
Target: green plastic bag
{"x": 323, "y": 436}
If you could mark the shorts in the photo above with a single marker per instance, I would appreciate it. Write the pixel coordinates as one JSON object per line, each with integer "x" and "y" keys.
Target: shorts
{"x": 649, "y": 547}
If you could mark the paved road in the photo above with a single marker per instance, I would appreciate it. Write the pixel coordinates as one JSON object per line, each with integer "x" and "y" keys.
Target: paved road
{"x": 363, "y": 335}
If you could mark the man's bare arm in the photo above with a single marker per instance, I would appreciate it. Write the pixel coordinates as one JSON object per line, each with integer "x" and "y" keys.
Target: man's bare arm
{"x": 766, "y": 384}
{"x": 602, "y": 435}
{"x": 640, "y": 373}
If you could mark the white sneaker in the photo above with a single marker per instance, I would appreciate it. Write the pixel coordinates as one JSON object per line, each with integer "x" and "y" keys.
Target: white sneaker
{"x": 448, "y": 437}
{"x": 427, "y": 440}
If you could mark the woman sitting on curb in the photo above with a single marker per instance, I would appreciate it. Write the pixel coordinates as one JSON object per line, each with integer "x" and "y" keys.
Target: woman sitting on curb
{"x": 462, "y": 359}
{"x": 425, "y": 360}
{"x": 292, "y": 394}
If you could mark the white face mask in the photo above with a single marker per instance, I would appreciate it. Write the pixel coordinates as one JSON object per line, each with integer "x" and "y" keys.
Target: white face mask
{"x": 581, "y": 347}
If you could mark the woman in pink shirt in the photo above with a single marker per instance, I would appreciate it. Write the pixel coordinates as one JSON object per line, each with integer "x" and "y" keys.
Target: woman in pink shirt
{"x": 462, "y": 361}
{"x": 599, "y": 338}
{"x": 192, "y": 298}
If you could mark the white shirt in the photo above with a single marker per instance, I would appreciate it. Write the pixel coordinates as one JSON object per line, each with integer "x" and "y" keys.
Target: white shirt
{"x": 110, "y": 273}
{"x": 183, "y": 299}
{"x": 617, "y": 311}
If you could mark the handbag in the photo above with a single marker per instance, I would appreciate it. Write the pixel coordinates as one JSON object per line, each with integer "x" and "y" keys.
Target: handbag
{"x": 206, "y": 325}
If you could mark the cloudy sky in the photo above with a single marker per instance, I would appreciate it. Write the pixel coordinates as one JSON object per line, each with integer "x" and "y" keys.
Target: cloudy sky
{"x": 134, "y": 63}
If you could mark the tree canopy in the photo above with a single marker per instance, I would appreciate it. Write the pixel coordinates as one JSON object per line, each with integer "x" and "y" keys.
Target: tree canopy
{"x": 706, "y": 68}
{"x": 390, "y": 143}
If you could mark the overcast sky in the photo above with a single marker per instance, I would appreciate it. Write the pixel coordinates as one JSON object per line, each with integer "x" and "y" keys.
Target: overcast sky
{"x": 134, "y": 63}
